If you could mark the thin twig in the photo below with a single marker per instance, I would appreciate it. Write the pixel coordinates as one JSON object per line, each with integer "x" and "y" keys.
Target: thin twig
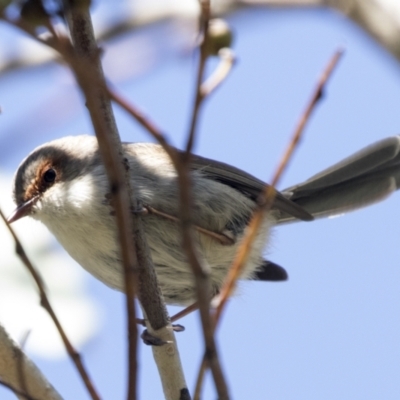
{"x": 201, "y": 277}
{"x": 147, "y": 124}
{"x": 266, "y": 199}
{"x": 222, "y": 239}
{"x": 204, "y": 24}
{"x": 45, "y": 303}
{"x": 200, "y": 379}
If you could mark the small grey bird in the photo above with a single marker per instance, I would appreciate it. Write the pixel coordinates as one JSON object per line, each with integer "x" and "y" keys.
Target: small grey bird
{"x": 64, "y": 185}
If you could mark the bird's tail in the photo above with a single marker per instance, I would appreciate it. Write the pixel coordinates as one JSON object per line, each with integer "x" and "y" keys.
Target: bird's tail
{"x": 364, "y": 178}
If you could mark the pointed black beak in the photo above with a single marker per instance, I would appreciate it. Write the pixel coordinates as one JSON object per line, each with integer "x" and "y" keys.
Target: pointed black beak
{"x": 22, "y": 210}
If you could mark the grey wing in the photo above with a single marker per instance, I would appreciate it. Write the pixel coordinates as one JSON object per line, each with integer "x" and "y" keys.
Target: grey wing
{"x": 364, "y": 178}
{"x": 247, "y": 184}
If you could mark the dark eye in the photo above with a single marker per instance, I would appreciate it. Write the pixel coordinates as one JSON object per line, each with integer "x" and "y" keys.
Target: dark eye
{"x": 49, "y": 176}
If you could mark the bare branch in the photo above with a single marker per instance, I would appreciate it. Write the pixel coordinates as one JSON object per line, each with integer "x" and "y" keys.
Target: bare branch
{"x": 264, "y": 205}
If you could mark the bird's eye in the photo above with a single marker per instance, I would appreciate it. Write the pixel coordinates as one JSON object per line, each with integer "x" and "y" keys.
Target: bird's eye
{"x": 49, "y": 176}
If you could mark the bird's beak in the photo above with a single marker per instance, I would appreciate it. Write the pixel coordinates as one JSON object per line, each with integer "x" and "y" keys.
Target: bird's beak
{"x": 22, "y": 210}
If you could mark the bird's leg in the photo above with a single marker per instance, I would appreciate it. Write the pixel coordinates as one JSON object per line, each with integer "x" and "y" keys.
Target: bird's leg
{"x": 220, "y": 237}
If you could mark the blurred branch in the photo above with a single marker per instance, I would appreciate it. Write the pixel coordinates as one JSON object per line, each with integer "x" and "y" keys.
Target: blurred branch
{"x": 378, "y": 18}
{"x": 167, "y": 356}
{"x": 11, "y": 358}
{"x": 200, "y": 272}
{"x": 374, "y": 16}
{"x": 21, "y": 394}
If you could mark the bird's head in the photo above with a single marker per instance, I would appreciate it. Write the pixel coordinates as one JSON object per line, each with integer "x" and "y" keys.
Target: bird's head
{"x": 51, "y": 176}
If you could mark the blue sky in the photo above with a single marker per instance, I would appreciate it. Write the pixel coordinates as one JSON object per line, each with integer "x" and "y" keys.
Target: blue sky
{"x": 332, "y": 331}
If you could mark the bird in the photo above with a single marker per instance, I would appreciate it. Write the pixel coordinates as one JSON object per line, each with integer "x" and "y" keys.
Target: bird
{"x": 63, "y": 184}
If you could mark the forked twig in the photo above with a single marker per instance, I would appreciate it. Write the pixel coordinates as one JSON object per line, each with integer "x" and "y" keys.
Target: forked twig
{"x": 45, "y": 303}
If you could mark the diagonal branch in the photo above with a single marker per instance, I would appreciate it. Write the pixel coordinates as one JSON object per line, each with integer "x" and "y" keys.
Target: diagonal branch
{"x": 266, "y": 198}
{"x": 45, "y": 303}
